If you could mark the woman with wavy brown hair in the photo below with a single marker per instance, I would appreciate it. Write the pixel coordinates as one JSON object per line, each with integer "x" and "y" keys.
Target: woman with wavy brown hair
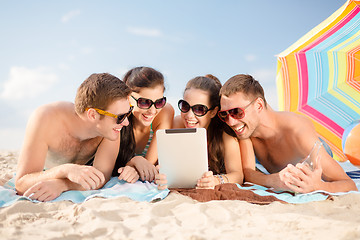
{"x": 199, "y": 108}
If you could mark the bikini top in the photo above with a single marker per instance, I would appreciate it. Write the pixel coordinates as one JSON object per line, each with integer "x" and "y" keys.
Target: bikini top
{"x": 143, "y": 153}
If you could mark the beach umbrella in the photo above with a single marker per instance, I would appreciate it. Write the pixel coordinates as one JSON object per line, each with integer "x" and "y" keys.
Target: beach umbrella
{"x": 319, "y": 75}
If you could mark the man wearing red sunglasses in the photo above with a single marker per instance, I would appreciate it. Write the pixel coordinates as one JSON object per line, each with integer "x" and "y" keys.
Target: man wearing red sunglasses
{"x": 280, "y": 141}
{"x": 63, "y": 137}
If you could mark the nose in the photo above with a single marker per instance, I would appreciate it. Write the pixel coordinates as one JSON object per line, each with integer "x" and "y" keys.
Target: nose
{"x": 125, "y": 122}
{"x": 190, "y": 114}
{"x": 230, "y": 120}
{"x": 152, "y": 109}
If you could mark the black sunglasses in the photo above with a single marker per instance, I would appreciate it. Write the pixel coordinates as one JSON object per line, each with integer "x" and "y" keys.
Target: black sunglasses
{"x": 236, "y": 113}
{"x": 198, "y": 109}
{"x": 145, "y": 103}
{"x": 119, "y": 118}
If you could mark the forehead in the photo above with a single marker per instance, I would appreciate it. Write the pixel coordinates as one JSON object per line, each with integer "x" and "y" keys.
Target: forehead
{"x": 196, "y": 96}
{"x": 119, "y": 106}
{"x": 152, "y": 93}
{"x": 235, "y": 100}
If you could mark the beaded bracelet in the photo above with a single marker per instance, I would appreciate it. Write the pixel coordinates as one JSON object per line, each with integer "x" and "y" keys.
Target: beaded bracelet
{"x": 226, "y": 177}
{"x": 220, "y": 178}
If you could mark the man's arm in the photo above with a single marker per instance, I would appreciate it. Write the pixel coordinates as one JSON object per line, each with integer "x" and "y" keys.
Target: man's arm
{"x": 302, "y": 179}
{"x": 250, "y": 172}
{"x": 105, "y": 157}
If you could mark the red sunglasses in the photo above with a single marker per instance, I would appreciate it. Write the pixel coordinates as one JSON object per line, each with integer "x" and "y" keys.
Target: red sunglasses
{"x": 236, "y": 113}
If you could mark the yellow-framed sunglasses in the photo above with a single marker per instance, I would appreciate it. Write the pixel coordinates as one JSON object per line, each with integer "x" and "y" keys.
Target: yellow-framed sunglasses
{"x": 119, "y": 118}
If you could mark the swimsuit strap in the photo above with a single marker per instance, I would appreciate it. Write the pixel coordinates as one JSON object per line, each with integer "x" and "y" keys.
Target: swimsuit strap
{"x": 143, "y": 153}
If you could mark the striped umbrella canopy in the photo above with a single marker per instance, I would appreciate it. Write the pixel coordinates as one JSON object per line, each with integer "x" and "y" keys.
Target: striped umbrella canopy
{"x": 319, "y": 75}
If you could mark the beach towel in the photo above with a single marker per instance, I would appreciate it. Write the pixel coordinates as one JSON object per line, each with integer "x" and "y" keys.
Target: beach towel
{"x": 262, "y": 195}
{"x": 251, "y": 193}
{"x": 138, "y": 191}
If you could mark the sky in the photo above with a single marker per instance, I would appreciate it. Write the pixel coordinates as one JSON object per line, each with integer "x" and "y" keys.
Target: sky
{"x": 48, "y": 48}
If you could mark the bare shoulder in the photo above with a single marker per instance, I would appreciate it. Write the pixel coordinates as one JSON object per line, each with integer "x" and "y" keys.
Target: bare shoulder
{"x": 228, "y": 139}
{"x": 51, "y": 111}
{"x": 178, "y": 123}
{"x": 294, "y": 122}
{"x": 46, "y": 118}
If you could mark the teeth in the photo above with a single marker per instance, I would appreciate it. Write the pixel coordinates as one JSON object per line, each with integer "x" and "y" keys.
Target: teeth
{"x": 191, "y": 123}
{"x": 239, "y": 129}
{"x": 117, "y": 129}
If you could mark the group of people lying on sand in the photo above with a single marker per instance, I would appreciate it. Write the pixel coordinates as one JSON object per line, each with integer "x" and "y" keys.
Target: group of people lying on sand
{"x": 110, "y": 130}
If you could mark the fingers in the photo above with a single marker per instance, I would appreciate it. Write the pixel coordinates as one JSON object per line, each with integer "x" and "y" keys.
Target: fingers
{"x": 42, "y": 191}
{"x": 207, "y": 181}
{"x": 161, "y": 181}
{"x": 128, "y": 174}
{"x": 207, "y": 174}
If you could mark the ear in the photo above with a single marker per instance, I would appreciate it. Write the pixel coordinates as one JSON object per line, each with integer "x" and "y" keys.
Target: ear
{"x": 260, "y": 104}
{"x": 91, "y": 114}
{"x": 214, "y": 112}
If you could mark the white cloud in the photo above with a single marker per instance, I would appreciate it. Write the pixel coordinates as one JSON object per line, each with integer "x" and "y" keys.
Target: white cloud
{"x": 250, "y": 57}
{"x": 27, "y": 83}
{"x": 87, "y": 50}
{"x": 66, "y": 18}
{"x": 147, "y": 32}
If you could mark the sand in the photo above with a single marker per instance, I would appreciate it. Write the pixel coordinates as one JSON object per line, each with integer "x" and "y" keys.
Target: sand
{"x": 177, "y": 217}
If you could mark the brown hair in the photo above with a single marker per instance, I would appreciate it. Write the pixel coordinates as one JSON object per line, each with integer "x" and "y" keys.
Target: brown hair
{"x": 245, "y": 84}
{"x": 143, "y": 77}
{"x": 99, "y": 90}
{"x": 212, "y": 85}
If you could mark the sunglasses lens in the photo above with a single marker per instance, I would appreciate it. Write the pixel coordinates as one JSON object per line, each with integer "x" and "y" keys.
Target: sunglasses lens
{"x": 237, "y": 113}
{"x": 222, "y": 115}
{"x": 183, "y": 106}
{"x": 122, "y": 117}
{"x": 144, "y": 103}
{"x": 160, "y": 103}
{"x": 200, "y": 110}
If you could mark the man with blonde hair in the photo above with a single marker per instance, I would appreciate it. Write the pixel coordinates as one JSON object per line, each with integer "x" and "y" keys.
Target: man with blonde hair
{"x": 63, "y": 137}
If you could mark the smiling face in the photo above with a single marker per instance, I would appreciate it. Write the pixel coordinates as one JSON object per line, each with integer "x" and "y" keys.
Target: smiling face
{"x": 146, "y": 116}
{"x": 107, "y": 125}
{"x": 245, "y": 127}
{"x": 196, "y": 96}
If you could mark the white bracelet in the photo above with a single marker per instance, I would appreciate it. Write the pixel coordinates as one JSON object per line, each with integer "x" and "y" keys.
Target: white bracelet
{"x": 220, "y": 178}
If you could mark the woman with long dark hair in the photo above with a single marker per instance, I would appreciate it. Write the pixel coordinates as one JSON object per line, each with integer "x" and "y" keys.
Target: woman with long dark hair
{"x": 199, "y": 108}
{"x": 151, "y": 112}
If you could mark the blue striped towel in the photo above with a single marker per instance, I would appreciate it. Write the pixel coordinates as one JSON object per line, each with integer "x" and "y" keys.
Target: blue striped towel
{"x": 138, "y": 191}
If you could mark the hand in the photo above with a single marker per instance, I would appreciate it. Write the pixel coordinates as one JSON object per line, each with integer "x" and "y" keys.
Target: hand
{"x": 45, "y": 190}
{"x": 160, "y": 180}
{"x": 302, "y": 178}
{"x": 207, "y": 181}
{"x": 146, "y": 170}
{"x": 128, "y": 174}
{"x": 87, "y": 176}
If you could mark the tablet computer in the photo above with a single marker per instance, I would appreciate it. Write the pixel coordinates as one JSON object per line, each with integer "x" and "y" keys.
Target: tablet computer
{"x": 182, "y": 155}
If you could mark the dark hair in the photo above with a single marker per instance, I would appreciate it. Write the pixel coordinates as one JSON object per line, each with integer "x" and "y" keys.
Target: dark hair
{"x": 245, "y": 84}
{"x": 99, "y": 90}
{"x": 136, "y": 78}
{"x": 212, "y": 85}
